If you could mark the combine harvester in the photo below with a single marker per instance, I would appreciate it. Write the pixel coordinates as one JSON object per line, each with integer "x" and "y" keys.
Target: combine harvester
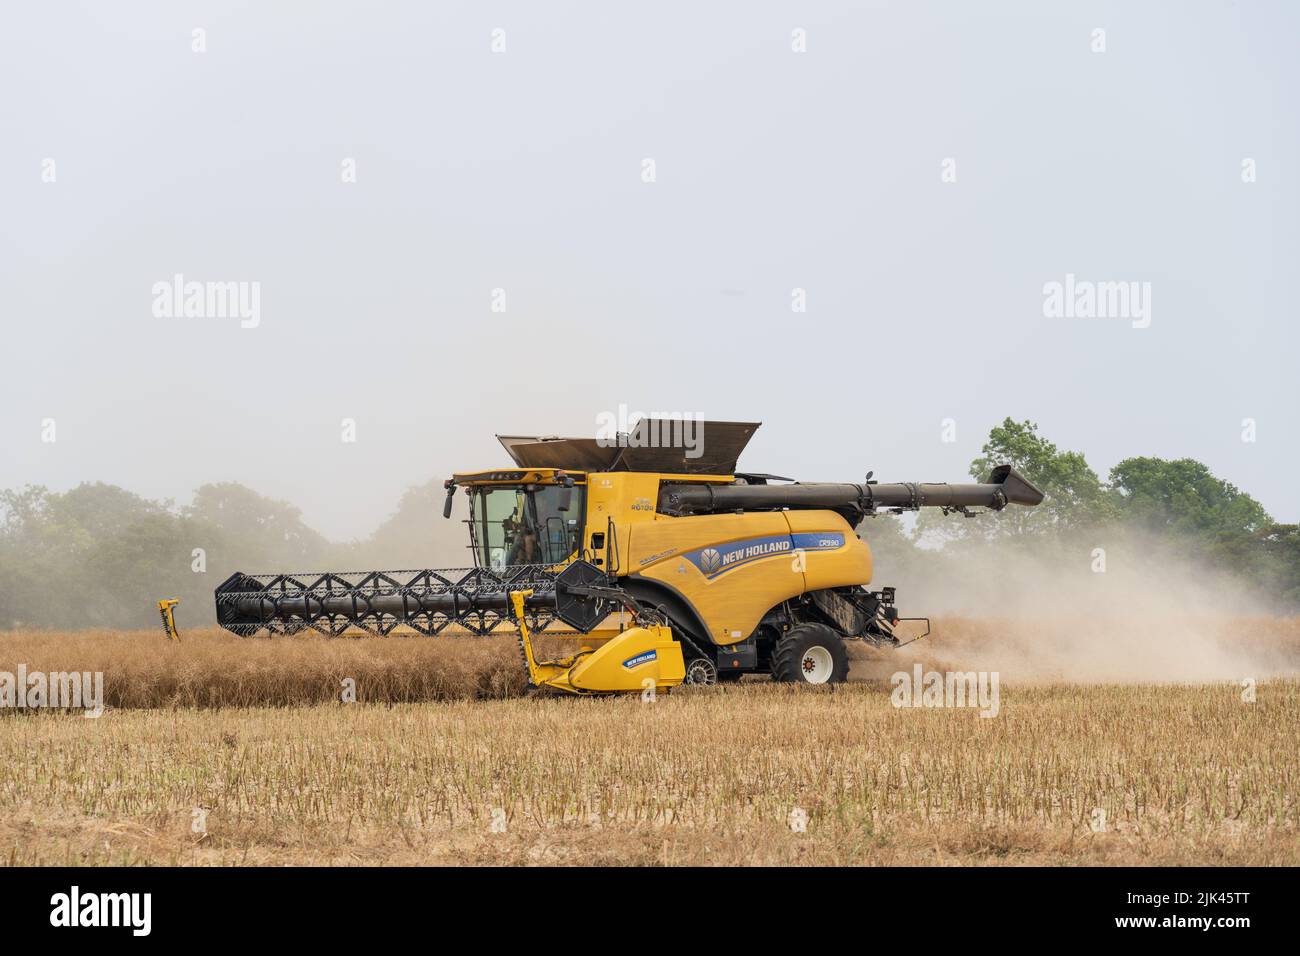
{"x": 671, "y": 567}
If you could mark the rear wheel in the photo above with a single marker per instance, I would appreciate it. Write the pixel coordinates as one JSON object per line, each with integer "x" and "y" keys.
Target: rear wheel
{"x": 701, "y": 670}
{"x": 810, "y": 654}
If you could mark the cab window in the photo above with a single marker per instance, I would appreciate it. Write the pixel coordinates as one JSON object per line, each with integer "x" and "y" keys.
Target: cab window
{"x": 517, "y": 525}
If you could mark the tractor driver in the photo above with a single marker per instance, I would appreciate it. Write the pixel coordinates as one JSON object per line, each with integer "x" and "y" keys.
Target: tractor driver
{"x": 525, "y": 549}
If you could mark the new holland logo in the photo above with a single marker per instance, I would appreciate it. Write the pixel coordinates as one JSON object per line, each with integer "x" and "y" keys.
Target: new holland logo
{"x": 737, "y": 554}
{"x": 643, "y": 658}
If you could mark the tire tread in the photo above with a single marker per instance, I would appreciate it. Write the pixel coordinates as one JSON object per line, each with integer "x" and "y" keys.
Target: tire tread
{"x": 789, "y": 650}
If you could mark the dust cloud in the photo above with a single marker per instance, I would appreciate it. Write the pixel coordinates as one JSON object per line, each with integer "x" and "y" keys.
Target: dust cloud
{"x": 1155, "y": 614}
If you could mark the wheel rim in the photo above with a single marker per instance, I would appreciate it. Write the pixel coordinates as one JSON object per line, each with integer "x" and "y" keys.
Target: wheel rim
{"x": 700, "y": 671}
{"x": 817, "y": 665}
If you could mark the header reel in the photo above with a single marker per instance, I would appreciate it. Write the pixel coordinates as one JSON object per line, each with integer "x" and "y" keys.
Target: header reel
{"x": 427, "y": 601}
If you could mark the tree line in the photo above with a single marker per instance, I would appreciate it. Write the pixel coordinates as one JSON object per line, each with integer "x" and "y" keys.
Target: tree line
{"x": 100, "y": 556}
{"x": 1178, "y": 504}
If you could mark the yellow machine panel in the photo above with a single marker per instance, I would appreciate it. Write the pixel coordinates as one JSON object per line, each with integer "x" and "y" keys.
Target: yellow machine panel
{"x": 638, "y": 658}
{"x": 833, "y": 555}
{"x": 629, "y": 500}
{"x": 634, "y": 659}
{"x": 734, "y": 568}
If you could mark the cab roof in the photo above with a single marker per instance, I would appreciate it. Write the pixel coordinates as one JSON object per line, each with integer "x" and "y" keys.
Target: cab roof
{"x": 515, "y": 476}
{"x": 668, "y": 446}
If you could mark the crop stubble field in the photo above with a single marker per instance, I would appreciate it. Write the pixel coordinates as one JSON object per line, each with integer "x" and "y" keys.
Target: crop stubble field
{"x": 442, "y": 760}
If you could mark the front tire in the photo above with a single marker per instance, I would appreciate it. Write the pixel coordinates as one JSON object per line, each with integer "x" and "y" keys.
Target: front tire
{"x": 810, "y": 654}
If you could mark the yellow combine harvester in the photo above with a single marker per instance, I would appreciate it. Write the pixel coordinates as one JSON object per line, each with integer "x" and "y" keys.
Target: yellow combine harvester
{"x": 668, "y": 563}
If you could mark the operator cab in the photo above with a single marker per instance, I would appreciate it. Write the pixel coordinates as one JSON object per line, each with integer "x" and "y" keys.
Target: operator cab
{"x": 526, "y": 522}
{"x": 535, "y": 512}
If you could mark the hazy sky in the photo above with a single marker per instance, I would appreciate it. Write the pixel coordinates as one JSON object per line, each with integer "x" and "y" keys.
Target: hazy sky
{"x": 524, "y": 171}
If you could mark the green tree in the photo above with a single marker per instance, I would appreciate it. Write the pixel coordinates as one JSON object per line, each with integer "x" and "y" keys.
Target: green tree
{"x": 1281, "y": 545}
{"x": 1183, "y": 496}
{"x": 251, "y": 527}
{"x": 100, "y": 556}
{"x": 100, "y": 510}
{"x": 1074, "y": 495}
{"x": 81, "y": 558}
{"x": 1182, "y": 500}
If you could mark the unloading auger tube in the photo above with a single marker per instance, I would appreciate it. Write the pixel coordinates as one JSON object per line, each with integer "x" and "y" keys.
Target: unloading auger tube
{"x": 428, "y": 601}
{"x": 1005, "y": 486}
